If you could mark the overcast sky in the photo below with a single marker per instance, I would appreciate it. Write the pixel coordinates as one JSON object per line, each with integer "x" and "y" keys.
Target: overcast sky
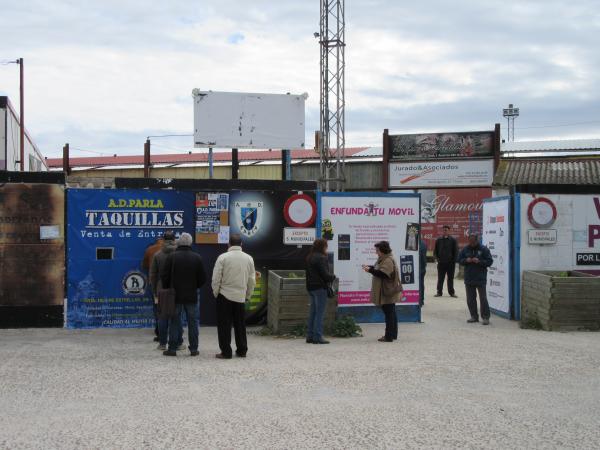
{"x": 102, "y": 75}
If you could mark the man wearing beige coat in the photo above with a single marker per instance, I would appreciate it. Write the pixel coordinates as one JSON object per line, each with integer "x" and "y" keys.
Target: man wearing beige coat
{"x": 233, "y": 281}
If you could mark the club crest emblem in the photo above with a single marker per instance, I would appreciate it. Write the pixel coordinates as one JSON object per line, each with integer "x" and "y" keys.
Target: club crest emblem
{"x": 134, "y": 283}
{"x": 249, "y": 217}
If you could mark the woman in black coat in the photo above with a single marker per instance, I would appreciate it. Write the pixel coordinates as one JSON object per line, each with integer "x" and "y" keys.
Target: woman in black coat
{"x": 317, "y": 278}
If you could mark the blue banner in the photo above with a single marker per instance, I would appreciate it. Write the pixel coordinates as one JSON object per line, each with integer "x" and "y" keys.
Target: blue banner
{"x": 108, "y": 233}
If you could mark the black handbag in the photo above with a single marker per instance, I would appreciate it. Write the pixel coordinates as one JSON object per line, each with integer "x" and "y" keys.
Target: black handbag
{"x": 332, "y": 288}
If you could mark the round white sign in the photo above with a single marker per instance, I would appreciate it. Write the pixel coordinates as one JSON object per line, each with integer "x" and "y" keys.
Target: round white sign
{"x": 300, "y": 210}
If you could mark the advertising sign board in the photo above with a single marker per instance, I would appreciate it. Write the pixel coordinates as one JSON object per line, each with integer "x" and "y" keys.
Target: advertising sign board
{"x": 441, "y": 145}
{"x": 353, "y": 223}
{"x": 245, "y": 120}
{"x": 496, "y": 236}
{"x": 455, "y": 173}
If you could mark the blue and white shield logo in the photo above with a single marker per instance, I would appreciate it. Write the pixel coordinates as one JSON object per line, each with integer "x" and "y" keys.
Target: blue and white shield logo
{"x": 249, "y": 217}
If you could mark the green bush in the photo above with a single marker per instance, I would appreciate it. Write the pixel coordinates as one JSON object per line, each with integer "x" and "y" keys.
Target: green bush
{"x": 345, "y": 327}
{"x": 265, "y": 331}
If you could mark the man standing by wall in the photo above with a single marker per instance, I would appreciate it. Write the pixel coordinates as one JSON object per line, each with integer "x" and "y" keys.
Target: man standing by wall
{"x": 184, "y": 271}
{"x": 476, "y": 258}
{"x": 445, "y": 253}
{"x": 151, "y": 250}
{"x": 233, "y": 281}
{"x": 157, "y": 269}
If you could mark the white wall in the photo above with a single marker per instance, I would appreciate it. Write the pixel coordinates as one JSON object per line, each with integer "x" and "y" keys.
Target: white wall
{"x": 575, "y": 214}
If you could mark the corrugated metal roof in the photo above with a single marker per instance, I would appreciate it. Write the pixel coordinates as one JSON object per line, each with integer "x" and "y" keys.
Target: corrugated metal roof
{"x": 371, "y": 152}
{"x": 262, "y": 155}
{"x": 512, "y": 172}
{"x": 554, "y": 146}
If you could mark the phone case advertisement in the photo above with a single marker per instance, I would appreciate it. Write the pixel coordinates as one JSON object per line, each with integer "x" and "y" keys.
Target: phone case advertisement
{"x": 353, "y": 224}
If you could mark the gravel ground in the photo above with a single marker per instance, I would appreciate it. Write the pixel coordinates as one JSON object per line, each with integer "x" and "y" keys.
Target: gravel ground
{"x": 444, "y": 384}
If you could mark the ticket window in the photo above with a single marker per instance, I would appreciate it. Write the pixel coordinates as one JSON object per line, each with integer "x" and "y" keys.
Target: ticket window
{"x": 104, "y": 253}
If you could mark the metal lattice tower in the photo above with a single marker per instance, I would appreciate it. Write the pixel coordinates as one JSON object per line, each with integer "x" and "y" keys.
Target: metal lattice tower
{"x": 331, "y": 142}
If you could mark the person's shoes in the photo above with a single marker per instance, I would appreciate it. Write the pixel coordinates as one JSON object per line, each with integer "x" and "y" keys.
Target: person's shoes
{"x": 155, "y": 338}
{"x": 437, "y": 295}
{"x": 322, "y": 341}
{"x": 180, "y": 347}
{"x": 222, "y": 356}
{"x": 453, "y": 295}
{"x": 473, "y": 320}
{"x": 170, "y": 353}
{"x": 240, "y": 355}
{"x": 194, "y": 353}
{"x": 384, "y": 339}
{"x": 161, "y": 347}
{"x": 309, "y": 341}
{"x": 485, "y": 322}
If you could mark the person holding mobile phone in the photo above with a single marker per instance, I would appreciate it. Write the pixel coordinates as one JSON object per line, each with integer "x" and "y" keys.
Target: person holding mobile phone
{"x": 385, "y": 271}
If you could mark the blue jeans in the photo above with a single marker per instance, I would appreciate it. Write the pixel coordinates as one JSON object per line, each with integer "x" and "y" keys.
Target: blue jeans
{"x": 163, "y": 331}
{"x": 318, "y": 301}
{"x": 175, "y": 330}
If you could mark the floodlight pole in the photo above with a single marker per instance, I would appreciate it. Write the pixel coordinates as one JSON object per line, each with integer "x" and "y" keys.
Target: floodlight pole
{"x": 510, "y": 113}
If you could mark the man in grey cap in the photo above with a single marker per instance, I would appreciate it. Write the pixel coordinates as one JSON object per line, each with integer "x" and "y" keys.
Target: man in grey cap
{"x": 184, "y": 272}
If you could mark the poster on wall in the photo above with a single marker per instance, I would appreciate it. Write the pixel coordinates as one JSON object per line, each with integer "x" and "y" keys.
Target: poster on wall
{"x": 212, "y": 218}
{"x": 108, "y": 233}
{"x": 353, "y": 223}
{"x": 460, "y": 208}
{"x": 496, "y": 236}
{"x": 457, "y": 173}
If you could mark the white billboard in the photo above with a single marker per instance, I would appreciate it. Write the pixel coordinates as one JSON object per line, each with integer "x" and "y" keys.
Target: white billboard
{"x": 478, "y": 172}
{"x": 246, "y": 120}
{"x": 353, "y": 223}
{"x": 496, "y": 237}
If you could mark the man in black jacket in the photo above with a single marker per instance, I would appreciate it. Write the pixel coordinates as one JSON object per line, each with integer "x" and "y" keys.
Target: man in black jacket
{"x": 184, "y": 271}
{"x": 476, "y": 258}
{"x": 445, "y": 253}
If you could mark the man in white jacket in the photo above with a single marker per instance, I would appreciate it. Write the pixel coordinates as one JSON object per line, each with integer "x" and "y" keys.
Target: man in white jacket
{"x": 233, "y": 281}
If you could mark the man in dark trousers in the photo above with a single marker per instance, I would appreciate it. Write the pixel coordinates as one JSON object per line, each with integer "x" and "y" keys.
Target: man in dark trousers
{"x": 184, "y": 271}
{"x": 157, "y": 268}
{"x": 476, "y": 258}
{"x": 445, "y": 253}
{"x": 151, "y": 250}
{"x": 233, "y": 281}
